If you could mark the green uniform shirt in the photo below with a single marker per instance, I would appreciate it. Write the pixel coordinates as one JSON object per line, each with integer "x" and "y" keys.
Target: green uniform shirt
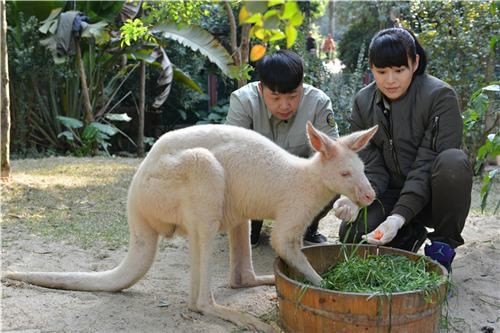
{"x": 247, "y": 109}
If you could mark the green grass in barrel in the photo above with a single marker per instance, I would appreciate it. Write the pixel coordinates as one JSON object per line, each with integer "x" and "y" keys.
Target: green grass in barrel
{"x": 383, "y": 273}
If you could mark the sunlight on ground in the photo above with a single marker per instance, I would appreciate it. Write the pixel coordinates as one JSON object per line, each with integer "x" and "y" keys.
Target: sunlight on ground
{"x": 334, "y": 66}
{"x": 69, "y": 173}
{"x": 44, "y": 181}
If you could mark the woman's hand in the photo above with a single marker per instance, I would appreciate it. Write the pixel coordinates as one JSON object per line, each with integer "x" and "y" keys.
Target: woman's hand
{"x": 345, "y": 209}
{"x": 386, "y": 231}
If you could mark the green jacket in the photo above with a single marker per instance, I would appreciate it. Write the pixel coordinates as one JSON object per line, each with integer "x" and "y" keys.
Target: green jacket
{"x": 413, "y": 130}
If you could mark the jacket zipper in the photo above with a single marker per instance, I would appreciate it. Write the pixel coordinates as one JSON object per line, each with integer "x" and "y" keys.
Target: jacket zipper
{"x": 435, "y": 132}
{"x": 391, "y": 145}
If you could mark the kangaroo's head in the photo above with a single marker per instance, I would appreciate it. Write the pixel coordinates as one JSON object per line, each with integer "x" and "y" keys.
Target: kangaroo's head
{"x": 339, "y": 166}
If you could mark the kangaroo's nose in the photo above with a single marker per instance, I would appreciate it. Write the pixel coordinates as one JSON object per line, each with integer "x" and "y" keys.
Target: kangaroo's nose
{"x": 369, "y": 197}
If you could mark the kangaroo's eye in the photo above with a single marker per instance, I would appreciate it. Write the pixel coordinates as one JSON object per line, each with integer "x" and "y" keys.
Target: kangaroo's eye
{"x": 345, "y": 173}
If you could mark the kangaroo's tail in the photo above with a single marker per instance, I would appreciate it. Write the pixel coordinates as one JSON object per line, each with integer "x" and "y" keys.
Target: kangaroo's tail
{"x": 140, "y": 256}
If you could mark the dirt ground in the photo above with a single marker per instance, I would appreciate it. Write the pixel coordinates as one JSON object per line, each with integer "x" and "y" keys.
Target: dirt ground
{"x": 157, "y": 303}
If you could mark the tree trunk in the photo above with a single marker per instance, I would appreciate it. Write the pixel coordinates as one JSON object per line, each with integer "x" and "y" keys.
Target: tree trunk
{"x": 88, "y": 115}
{"x": 5, "y": 99}
{"x": 142, "y": 108}
{"x": 331, "y": 16}
{"x": 240, "y": 54}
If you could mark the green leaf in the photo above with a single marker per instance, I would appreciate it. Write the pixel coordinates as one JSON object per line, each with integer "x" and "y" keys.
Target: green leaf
{"x": 89, "y": 133}
{"x": 199, "y": 39}
{"x": 256, "y": 6}
{"x": 254, "y": 19}
{"x": 277, "y": 35}
{"x": 166, "y": 76}
{"x": 289, "y": 10}
{"x": 273, "y": 22}
{"x": 70, "y": 122}
{"x": 181, "y": 77}
{"x": 493, "y": 41}
{"x": 50, "y": 23}
{"x": 183, "y": 114}
{"x": 493, "y": 87}
{"x": 297, "y": 19}
{"x": 260, "y": 33}
{"x": 118, "y": 117}
{"x": 275, "y": 2}
{"x": 68, "y": 135}
{"x": 270, "y": 13}
{"x": 485, "y": 190}
{"x": 291, "y": 35}
{"x": 97, "y": 31}
{"x": 104, "y": 128}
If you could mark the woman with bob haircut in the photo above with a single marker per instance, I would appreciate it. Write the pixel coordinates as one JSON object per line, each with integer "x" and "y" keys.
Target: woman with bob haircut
{"x": 421, "y": 177}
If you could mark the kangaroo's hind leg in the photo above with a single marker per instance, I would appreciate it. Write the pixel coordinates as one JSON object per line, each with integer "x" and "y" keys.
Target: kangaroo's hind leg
{"x": 241, "y": 266}
{"x": 203, "y": 198}
{"x": 205, "y": 302}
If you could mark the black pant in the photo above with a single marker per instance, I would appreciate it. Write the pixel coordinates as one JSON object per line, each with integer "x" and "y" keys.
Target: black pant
{"x": 313, "y": 227}
{"x": 451, "y": 184}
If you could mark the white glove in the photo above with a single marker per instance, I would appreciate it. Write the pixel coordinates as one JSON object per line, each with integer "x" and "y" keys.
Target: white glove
{"x": 345, "y": 209}
{"x": 387, "y": 229}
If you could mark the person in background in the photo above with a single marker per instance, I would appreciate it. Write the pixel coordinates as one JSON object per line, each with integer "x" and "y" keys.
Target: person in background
{"x": 329, "y": 46}
{"x": 279, "y": 107}
{"x": 421, "y": 177}
{"x": 311, "y": 44}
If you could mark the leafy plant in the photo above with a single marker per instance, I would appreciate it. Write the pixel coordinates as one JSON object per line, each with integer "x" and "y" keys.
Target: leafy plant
{"x": 461, "y": 41}
{"x": 39, "y": 89}
{"x": 272, "y": 21}
{"x": 216, "y": 115}
{"x": 490, "y": 148}
{"x": 341, "y": 88}
{"x": 134, "y": 30}
{"x": 479, "y": 141}
{"x": 85, "y": 139}
{"x": 483, "y": 104}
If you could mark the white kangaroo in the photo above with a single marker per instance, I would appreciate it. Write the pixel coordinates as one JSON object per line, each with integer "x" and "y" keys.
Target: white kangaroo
{"x": 205, "y": 179}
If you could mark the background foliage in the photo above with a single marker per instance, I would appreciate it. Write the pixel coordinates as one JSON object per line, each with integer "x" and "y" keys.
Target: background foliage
{"x": 460, "y": 37}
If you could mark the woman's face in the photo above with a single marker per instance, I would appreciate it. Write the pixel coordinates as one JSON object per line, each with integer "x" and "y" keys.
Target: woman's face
{"x": 393, "y": 82}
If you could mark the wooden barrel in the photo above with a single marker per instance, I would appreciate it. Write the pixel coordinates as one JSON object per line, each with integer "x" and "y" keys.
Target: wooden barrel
{"x": 304, "y": 308}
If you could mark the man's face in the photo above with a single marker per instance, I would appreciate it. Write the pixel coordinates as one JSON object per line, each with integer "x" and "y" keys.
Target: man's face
{"x": 393, "y": 82}
{"x": 282, "y": 106}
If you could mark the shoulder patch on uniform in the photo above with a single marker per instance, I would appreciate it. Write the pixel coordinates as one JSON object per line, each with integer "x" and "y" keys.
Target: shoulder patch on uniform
{"x": 330, "y": 120}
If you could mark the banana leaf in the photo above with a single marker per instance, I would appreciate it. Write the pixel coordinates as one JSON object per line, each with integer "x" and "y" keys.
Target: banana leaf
{"x": 198, "y": 39}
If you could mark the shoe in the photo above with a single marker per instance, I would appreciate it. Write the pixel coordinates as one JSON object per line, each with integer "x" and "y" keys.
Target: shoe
{"x": 255, "y": 242}
{"x": 255, "y": 229}
{"x": 440, "y": 252}
{"x": 314, "y": 237}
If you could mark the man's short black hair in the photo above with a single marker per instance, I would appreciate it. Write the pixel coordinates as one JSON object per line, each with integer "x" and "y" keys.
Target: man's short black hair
{"x": 281, "y": 72}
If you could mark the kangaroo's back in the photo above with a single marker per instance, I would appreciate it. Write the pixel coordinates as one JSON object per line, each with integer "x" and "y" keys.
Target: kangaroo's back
{"x": 253, "y": 165}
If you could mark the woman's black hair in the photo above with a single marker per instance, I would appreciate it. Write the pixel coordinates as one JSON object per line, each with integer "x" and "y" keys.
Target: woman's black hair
{"x": 282, "y": 72}
{"x": 393, "y": 47}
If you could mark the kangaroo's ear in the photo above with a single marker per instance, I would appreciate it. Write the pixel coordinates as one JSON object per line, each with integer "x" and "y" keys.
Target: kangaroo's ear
{"x": 358, "y": 140}
{"x": 320, "y": 142}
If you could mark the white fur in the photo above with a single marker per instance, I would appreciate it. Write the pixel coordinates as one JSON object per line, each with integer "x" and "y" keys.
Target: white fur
{"x": 204, "y": 179}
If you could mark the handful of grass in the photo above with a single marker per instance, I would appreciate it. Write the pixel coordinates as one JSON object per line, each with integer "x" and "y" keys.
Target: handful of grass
{"x": 383, "y": 273}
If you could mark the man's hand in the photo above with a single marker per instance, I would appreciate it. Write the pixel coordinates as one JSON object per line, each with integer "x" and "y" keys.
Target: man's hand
{"x": 345, "y": 209}
{"x": 386, "y": 231}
